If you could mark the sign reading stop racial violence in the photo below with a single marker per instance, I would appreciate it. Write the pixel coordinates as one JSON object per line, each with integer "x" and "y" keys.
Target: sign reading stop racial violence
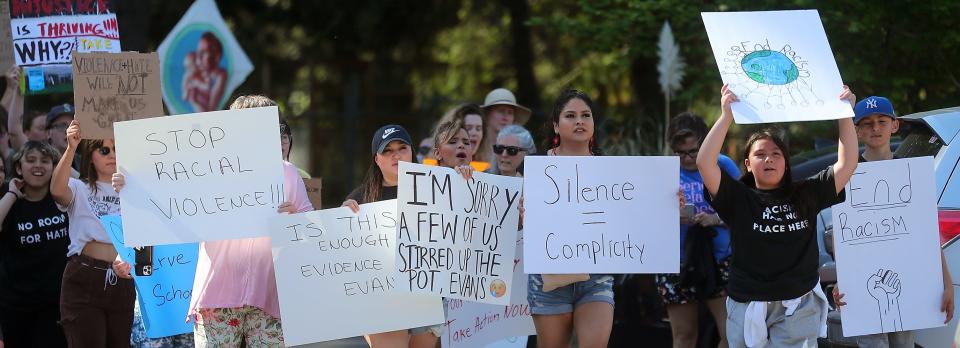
{"x": 112, "y": 87}
{"x": 200, "y": 177}
{"x": 601, "y": 214}
{"x": 338, "y": 261}
{"x": 456, "y": 236}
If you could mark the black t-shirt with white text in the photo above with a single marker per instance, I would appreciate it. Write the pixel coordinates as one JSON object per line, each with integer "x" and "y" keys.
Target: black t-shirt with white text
{"x": 775, "y": 255}
{"x": 33, "y": 253}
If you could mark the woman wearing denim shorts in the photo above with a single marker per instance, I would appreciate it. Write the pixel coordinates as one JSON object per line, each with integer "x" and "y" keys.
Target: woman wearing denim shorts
{"x": 584, "y": 306}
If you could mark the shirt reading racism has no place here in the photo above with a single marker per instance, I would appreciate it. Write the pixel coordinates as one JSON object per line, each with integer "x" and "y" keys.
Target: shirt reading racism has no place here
{"x": 773, "y": 235}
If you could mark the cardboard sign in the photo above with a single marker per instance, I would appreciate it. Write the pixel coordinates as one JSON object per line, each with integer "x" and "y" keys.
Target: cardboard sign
{"x": 888, "y": 248}
{"x": 6, "y": 38}
{"x": 779, "y": 64}
{"x": 583, "y": 217}
{"x": 46, "y": 33}
{"x": 211, "y": 176}
{"x": 471, "y": 324}
{"x": 314, "y": 187}
{"x": 165, "y": 294}
{"x": 456, "y": 236}
{"x": 191, "y": 84}
{"x": 112, "y": 87}
{"x": 338, "y": 261}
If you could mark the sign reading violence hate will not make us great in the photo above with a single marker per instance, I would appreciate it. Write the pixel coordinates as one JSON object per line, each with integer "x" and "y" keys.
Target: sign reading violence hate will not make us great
{"x": 583, "y": 217}
{"x": 200, "y": 177}
{"x": 112, "y": 87}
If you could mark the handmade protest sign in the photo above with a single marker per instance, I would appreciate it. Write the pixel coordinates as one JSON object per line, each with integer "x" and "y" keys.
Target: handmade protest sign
{"x": 111, "y": 87}
{"x": 582, "y": 217}
{"x": 46, "y": 33}
{"x": 456, "y": 236}
{"x": 202, "y": 62}
{"x": 211, "y": 176}
{"x": 778, "y": 63}
{"x": 6, "y": 37}
{"x": 472, "y": 324}
{"x": 886, "y": 241}
{"x": 165, "y": 294}
{"x": 338, "y": 261}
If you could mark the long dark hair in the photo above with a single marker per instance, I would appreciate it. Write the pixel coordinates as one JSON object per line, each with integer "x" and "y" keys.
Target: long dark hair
{"x": 797, "y": 195}
{"x": 88, "y": 171}
{"x": 552, "y": 139}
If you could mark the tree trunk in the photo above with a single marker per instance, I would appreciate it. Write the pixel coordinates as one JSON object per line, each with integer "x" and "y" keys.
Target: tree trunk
{"x": 528, "y": 93}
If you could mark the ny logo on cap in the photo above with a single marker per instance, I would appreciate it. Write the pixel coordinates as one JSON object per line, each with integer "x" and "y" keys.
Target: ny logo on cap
{"x": 871, "y": 103}
{"x": 387, "y": 132}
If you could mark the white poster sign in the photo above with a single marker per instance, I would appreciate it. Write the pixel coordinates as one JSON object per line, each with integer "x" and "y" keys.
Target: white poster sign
{"x": 456, "y": 236}
{"x": 779, "y": 64}
{"x": 601, "y": 214}
{"x": 471, "y": 324}
{"x": 338, "y": 261}
{"x": 888, "y": 248}
{"x": 211, "y": 176}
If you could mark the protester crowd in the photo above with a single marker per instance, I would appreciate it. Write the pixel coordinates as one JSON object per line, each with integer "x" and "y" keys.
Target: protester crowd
{"x": 62, "y": 282}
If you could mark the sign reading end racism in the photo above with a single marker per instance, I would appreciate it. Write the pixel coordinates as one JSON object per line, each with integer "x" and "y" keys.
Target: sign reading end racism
{"x": 583, "y": 217}
{"x": 456, "y": 237}
{"x": 113, "y": 87}
{"x": 202, "y": 177}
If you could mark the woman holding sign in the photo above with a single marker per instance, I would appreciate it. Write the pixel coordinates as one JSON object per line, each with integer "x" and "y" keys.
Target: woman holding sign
{"x": 562, "y": 304}
{"x": 97, "y": 295}
{"x": 33, "y": 245}
{"x": 391, "y": 144}
{"x": 774, "y": 291}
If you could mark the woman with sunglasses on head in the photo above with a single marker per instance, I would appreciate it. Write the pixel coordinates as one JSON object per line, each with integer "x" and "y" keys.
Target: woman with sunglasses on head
{"x": 33, "y": 245}
{"x": 390, "y": 146}
{"x": 564, "y": 304}
{"x": 97, "y": 294}
{"x": 514, "y": 143}
{"x": 704, "y": 242}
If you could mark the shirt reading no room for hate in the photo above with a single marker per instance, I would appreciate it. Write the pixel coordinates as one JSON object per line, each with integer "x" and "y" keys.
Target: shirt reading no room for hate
{"x": 33, "y": 245}
{"x": 775, "y": 255}
{"x": 237, "y": 273}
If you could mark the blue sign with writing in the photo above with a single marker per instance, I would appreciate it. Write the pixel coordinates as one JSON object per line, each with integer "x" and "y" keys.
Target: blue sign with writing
{"x": 164, "y": 295}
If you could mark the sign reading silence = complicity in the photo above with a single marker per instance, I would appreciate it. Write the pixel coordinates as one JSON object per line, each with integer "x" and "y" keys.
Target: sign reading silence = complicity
{"x": 601, "y": 215}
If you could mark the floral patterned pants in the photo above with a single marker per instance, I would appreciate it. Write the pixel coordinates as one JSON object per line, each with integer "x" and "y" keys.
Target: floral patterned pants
{"x": 228, "y": 327}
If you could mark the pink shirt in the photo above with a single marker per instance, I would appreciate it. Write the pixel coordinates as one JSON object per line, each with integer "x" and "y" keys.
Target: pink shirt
{"x": 237, "y": 273}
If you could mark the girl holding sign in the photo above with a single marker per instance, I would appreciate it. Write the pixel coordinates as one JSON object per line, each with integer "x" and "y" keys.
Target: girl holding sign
{"x": 773, "y": 291}
{"x": 561, "y": 304}
{"x": 391, "y": 144}
{"x": 97, "y": 295}
{"x": 33, "y": 245}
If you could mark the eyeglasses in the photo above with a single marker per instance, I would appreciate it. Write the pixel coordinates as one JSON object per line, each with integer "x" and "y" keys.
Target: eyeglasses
{"x": 511, "y": 150}
{"x": 691, "y": 153}
{"x": 105, "y": 150}
{"x": 424, "y": 150}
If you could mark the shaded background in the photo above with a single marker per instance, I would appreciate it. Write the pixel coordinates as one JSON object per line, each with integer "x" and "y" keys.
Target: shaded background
{"x": 341, "y": 69}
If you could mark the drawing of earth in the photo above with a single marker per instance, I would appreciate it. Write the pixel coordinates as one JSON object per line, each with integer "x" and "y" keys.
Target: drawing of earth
{"x": 498, "y": 288}
{"x": 769, "y": 67}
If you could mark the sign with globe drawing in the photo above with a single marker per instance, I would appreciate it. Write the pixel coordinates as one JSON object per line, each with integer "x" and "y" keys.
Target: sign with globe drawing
{"x": 779, "y": 64}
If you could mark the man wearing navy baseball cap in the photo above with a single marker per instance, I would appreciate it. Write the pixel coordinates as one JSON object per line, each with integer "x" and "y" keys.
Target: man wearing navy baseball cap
{"x": 876, "y": 122}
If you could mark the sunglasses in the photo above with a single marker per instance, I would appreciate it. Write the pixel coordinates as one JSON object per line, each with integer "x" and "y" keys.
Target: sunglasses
{"x": 105, "y": 150}
{"x": 511, "y": 150}
{"x": 691, "y": 153}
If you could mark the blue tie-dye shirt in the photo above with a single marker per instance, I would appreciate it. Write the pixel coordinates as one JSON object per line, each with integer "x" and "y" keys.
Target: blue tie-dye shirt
{"x": 692, "y": 184}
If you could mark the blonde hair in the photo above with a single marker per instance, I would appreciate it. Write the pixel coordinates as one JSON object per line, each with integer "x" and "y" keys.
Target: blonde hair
{"x": 460, "y": 112}
{"x": 251, "y": 101}
{"x": 446, "y": 131}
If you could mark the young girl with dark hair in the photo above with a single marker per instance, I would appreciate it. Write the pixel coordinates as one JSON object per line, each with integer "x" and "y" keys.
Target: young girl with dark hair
{"x": 773, "y": 291}
{"x": 33, "y": 246}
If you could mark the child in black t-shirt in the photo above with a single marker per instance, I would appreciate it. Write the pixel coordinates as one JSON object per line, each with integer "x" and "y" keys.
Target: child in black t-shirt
{"x": 773, "y": 288}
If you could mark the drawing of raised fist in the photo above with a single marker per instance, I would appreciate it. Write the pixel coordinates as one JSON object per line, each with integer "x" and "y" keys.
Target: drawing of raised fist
{"x": 884, "y": 286}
